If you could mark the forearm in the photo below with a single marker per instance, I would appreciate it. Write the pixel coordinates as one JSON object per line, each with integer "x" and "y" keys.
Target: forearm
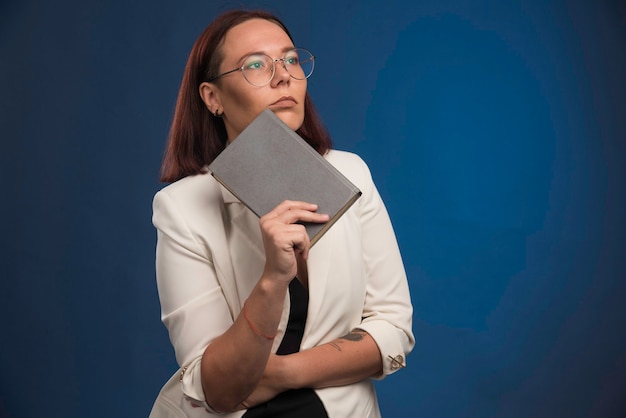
{"x": 233, "y": 364}
{"x": 346, "y": 360}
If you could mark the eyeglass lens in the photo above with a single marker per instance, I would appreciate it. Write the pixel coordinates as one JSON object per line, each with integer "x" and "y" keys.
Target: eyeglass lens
{"x": 259, "y": 69}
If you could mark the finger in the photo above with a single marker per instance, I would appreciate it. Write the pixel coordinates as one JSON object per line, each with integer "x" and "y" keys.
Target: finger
{"x": 304, "y": 253}
{"x": 301, "y": 241}
{"x": 291, "y": 205}
{"x": 300, "y": 215}
{"x": 289, "y": 236}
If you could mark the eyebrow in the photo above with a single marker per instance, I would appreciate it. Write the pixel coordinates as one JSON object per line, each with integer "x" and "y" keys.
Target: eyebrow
{"x": 284, "y": 50}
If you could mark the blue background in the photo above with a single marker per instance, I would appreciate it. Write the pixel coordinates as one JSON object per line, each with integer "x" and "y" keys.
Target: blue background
{"x": 496, "y": 132}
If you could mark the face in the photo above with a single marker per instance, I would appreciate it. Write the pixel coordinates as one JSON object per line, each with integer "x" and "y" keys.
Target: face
{"x": 239, "y": 101}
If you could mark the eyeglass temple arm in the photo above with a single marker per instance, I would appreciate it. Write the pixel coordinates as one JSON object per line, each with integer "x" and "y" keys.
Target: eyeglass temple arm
{"x": 311, "y": 58}
{"x": 223, "y": 74}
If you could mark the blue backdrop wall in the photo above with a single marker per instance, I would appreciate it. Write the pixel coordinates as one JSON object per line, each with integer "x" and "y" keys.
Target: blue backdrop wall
{"x": 495, "y": 130}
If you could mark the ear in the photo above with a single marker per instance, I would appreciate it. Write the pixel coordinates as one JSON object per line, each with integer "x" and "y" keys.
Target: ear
{"x": 210, "y": 96}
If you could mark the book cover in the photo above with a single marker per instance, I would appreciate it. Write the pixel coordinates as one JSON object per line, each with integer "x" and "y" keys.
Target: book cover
{"x": 269, "y": 163}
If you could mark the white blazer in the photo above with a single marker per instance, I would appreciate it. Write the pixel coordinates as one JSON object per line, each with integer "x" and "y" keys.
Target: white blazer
{"x": 210, "y": 255}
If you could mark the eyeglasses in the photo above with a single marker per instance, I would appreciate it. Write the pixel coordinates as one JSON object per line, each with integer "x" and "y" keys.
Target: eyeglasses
{"x": 259, "y": 69}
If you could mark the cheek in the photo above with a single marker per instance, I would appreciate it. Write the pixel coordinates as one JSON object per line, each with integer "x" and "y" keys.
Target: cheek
{"x": 241, "y": 107}
{"x": 239, "y": 99}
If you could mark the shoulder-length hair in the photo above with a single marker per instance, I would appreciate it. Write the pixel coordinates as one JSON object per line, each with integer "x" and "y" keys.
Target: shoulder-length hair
{"x": 196, "y": 137}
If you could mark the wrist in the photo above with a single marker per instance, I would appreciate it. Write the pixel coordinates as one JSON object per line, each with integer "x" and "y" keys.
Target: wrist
{"x": 284, "y": 372}
{"x": 270, "y": 286}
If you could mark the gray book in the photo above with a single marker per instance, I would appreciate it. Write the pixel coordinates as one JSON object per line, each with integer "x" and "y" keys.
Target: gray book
{"x": 269, "y": 163}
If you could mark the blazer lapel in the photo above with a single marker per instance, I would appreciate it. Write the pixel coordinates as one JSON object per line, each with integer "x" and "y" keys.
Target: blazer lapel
{"x": 318, "y": 266}
{"x": 245, "y": 244}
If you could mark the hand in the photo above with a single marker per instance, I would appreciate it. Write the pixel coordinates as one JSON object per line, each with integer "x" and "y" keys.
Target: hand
{"x": 284, "y": 239}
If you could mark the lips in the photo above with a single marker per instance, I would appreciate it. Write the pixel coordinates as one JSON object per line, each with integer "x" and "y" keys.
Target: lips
{"x": 286, "y": 101}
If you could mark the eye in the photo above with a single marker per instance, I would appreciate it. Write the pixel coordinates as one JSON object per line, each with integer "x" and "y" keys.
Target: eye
{"x": 255, "y": 63}
{"x": 291, "y": 59}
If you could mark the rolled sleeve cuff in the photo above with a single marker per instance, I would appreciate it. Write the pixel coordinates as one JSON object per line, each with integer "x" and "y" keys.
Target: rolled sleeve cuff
{"x": 191, "y": 381}
{"x": 392, "y": 342}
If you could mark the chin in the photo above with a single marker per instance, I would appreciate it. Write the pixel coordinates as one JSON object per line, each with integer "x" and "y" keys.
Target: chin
{"x": 292, "y": 119}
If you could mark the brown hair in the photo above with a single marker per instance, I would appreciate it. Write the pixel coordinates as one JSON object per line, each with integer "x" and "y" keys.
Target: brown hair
{"x": 196, "y": 137}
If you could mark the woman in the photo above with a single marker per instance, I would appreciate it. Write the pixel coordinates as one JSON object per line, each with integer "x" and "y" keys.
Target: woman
{"x": 262, "y": 324}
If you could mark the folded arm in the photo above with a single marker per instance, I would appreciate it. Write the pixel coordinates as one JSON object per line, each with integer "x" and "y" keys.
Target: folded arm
{"x": 343, "y": 361}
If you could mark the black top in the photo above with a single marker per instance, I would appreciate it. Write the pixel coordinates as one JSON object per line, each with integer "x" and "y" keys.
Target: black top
{"x": 299, "y": 298}
{"x": 300, "y": 403}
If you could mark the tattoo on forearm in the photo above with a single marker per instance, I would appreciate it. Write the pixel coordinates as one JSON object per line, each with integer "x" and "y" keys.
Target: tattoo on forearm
{"x": 354, "y": 335}
{"x": 335, "y": 345}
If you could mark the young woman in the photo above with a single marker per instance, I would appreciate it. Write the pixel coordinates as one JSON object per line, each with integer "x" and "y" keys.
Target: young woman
{"x": 262, "y": 324}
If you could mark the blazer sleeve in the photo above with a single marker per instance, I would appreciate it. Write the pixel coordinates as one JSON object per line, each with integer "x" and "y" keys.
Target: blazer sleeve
{"x": 387, "y": 313}
{"x": 193, "y": 307}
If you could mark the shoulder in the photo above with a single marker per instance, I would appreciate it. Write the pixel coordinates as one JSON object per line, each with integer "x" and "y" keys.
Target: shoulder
{"x": 197, "y": 187}
{"x": 352, "y": 166}
{"x": 194, "y": 196}
{"x": 344, "y": 158}
{"x": 189, "y": 184}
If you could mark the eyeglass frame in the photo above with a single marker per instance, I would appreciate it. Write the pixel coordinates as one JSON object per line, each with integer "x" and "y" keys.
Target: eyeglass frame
{"x": 274, "y": 61}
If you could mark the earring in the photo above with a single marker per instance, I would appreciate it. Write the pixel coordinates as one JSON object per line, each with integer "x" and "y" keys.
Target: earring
{"x": 217, "y": 113}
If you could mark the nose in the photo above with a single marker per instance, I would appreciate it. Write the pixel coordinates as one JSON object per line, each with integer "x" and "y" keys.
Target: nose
{"x": 281, "y": 75}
